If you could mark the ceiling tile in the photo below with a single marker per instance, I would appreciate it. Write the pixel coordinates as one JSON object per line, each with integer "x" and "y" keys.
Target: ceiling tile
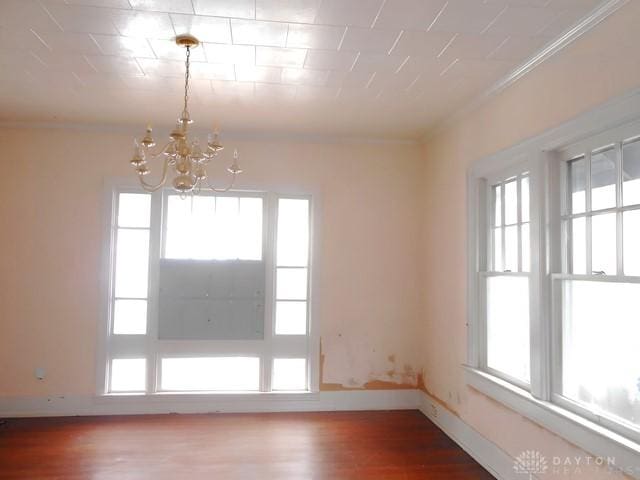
{"x": 143, "y": 24}
{"x": 238, "y": 89}
{"x": 231, "y": 54}
{"x": 314, "y": 36}
{"x": 472, "y": 46}
{"x": 213, "y": 71}
{"x": 311, "y": 93}
{"x": 66, "y": 62}
{"x": 206, "y": 29}
{"x": 21, "y": 40}
{"x": 63, "y": 42}
{"x": 585, "y": 5}
{"x": 250, "y": 73}
{"x": 330, "y": 60}
{"x": 100, "y": 3}
{"x": 124, "y": 46}
{"x": 305, "y": 76}
{"x": 80, "y": 19}
{"x": 161, "y": 68}
{"x": 522, "y": 21}
{"x": 421, "y": 44}
{"x": 372, "y": 62}
{"x": 409, "y": 14}
{"x": 518, "y": 48}
{"x": 250, "y": 32}
{"x": 225, "y": 8}
{"x": 370, "y": 40}
{"x": 168, "y": 50}
{"x": 25, "y": 14}
{"x": 272, "y": 92}
{"x": 171, "y": 6}
{"x": 303, "y": 11}
{"x": 562, "y": 22}
{"x": 358, "y": 13}
{"x": 349, "y": 79}
{"x": 466, "y": 16}
{"x": 113, "y": 64}
{"x": 280, "y": 57}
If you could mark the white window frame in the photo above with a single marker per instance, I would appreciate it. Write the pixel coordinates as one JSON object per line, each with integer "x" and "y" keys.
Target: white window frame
{"x": 543, "y": 157}
{"x": 150, "y": 347}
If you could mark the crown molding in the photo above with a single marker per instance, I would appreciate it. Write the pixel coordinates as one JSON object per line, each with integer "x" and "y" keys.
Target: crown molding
{"x": 600, "y": 13}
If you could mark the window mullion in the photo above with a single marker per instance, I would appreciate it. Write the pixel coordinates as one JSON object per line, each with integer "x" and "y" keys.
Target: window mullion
{"x": 519, "y": 218}
{"x": 619, "y": 226}
{"x": 503, "y": 242}
{"x": 587, "y": 188}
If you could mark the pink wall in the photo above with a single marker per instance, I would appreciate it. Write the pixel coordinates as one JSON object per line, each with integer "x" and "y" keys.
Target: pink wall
{"x": 597, "y": 67}
{"x": 51, "y": 214}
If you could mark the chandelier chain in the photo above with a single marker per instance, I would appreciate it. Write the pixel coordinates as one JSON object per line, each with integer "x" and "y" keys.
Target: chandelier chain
{"x": 187, "y": 76}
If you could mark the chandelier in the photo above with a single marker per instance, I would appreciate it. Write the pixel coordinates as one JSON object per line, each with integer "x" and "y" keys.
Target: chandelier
{"x": 186, "y": 159}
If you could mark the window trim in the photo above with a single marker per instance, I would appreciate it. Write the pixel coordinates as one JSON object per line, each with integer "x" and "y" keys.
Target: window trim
{"x": 309, "y": 344}
{"x": 546, "y": 175}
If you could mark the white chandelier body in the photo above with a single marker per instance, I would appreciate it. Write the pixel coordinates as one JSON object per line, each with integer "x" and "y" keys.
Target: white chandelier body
{"x": 184, "y": 158}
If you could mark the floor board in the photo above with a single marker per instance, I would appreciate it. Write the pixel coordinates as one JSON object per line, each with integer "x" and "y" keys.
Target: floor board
{"x": 389, "y": 445}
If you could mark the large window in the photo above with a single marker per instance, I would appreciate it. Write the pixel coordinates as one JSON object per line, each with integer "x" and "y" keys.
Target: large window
{"x": 555, "y": 283}
{"x": 208, "y": 293}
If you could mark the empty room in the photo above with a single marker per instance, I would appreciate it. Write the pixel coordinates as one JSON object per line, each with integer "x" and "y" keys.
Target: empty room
{"x": 320, "y": 239}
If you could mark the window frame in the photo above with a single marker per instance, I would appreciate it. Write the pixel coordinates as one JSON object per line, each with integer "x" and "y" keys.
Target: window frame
{"x": 154, "y": 350}
{"x": 594, "y": 432}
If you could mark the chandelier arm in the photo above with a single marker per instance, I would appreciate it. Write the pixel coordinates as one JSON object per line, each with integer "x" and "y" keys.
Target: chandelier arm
{"x": 222, "y": 190}
{"x": 152, "y": 188}
{"x": 160, "y": 152}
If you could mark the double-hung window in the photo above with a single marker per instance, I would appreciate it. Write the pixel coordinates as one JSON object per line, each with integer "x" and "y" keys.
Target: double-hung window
{"x": 554, "y": 285}
{"x": 208, "y": 293}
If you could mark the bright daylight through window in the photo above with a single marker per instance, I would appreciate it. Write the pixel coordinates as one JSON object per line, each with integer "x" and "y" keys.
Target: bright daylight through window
{"x": 556, "y": 314}
{"x": 209, "y": 293}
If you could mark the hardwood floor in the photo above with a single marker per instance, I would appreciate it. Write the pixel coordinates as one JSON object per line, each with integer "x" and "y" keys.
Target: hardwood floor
{"x": 390, "y": 445}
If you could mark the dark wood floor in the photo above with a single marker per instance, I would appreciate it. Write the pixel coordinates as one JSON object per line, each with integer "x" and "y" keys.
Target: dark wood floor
{"x": 283, "y": 446}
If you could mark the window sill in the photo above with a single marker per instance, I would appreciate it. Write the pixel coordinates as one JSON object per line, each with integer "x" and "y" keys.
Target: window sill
{"x": 593, "y": 438}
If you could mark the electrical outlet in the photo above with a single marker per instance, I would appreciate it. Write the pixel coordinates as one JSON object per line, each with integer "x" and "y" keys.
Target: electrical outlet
{"x": 434, "y": 411}
{"x": 40, "y": 373}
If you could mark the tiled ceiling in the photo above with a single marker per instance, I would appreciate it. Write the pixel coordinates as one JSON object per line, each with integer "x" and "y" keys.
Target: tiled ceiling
{"x": 388, "y": 68}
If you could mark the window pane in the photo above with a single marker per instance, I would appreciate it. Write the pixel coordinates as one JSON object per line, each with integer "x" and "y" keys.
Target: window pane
{"x": 631, "y": 173}
{"x": 526, "y": 251}
{"x": 289, "y": 374}
{"x": 232, "y": 374}
{"x": 134, "y": 210}
{"x": 524, "y": 196}
{"x": 577, "y": 186}
{"x": 601, "y": 341}
{"x": 130, "y": 317}
{"x": 603, "y": 180}
{"x": 132, "y": 263}
{"x": 291, "y": 318}
{"x": 578, "y": 243}
{"x": 497, "y": 205}
{"x": 293, "y": 232}
{"x": 214, "y": 228}
{"x": 603, "y": 243}
{"x": 250, "y": 229}
{"x": 511, "y": 248}
{"x": 128, "y": 375}
{"x": 631, "y": 239}
{"x": 508, "y": 326}
{"x": 291, "y": 284}
{"x": 510, "y": 203}
{"x": 497, "y": 250}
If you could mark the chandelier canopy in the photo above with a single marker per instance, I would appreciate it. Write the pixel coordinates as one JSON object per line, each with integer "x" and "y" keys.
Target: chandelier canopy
{"x": 186, "y": 159}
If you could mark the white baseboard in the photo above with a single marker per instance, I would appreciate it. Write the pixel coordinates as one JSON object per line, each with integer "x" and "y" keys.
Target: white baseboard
{"x": 208, "y": 403}
{"x": 495, "y": 460}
